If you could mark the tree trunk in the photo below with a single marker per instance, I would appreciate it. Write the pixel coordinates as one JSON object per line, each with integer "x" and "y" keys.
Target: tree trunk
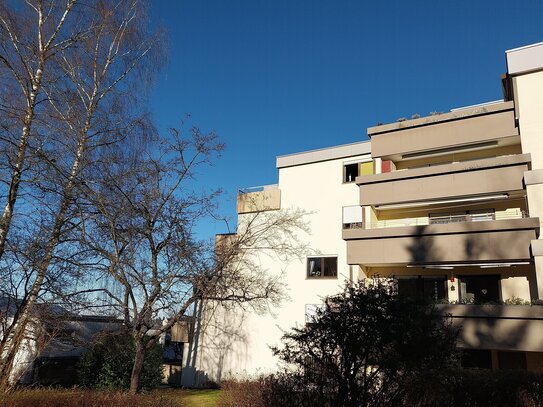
{"x": 137, "y": 367}
{"x": 13, "y": 344}
{"x": 7, "y": 214}
{"x": 44, "y": 46}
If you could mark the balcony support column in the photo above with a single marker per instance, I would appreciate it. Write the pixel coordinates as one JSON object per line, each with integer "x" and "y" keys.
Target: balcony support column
{"x": 539, "y": 276}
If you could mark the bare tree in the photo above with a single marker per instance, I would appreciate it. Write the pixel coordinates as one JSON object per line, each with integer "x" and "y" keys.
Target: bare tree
{"x": 87, "y": 111}
{"x": 29, "y": 39}
{"x": 142, "y": 230}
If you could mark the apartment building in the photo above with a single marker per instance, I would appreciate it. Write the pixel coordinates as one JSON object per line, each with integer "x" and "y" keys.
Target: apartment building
{"x": 321, "y": 182}
{"x": 449, "y": 205}
{"x": 453, "y": 212}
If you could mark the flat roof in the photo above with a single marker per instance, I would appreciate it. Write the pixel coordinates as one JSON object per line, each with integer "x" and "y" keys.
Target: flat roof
{"x": 524, "y": 59}
{"x": 455, "y": 114}
{"x": 324, "y": 154}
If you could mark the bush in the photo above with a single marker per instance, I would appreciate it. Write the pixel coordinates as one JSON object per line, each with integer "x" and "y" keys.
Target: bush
{"x": 365, "y": 347}
{"x": 451, "y": 388}
{"x": 48, "y": 397}
{"x": 477, "y": 388}
{"x": 448, "y": 388}
{"x": 108, "y": 363}
{"x": 241, "y": 393}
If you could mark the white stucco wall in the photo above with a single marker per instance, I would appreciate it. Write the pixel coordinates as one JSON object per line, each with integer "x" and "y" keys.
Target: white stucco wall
{"x": 238, "y": 343}
{"x": 529, "y": 105}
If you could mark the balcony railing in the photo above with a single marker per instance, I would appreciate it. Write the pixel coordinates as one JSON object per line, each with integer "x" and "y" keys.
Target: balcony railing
{"x": 259, "y": 188}
{"x": 348, "y": 222}
{"x": 261, "y": 198}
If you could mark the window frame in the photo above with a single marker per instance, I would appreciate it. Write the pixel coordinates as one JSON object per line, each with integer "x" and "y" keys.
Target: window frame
{"x": 308, "y": 276}
{"x": 357, "y": 163}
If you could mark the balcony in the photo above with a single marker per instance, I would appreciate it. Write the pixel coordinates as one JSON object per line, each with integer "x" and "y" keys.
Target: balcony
{"x": 352, "y": 219}
{"x": 495, "y": 175}
{"x": 491, "y": 123}
{"x": 257, "y": 199}
{"x": 463, "y": 240}
{"x": 502, "y": 327}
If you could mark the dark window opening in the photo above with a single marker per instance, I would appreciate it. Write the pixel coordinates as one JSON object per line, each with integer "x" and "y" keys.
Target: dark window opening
{"x": 350, "y": 172}
{"x": 476, "y": 359}
{"x": 318, "y": 267}
{"x": 173, "y": 352}
{"x": 512, "y": 360}
{"x": 423, "y": 288}
{"x": 479, "y": 289}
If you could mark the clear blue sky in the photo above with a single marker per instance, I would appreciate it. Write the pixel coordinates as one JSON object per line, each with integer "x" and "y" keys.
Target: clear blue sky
{"x": 275, "y": 77}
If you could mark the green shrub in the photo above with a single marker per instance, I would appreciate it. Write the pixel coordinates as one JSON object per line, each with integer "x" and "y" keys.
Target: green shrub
{"x": 108, "y": 363}
{"x": 477, "y": 388}
{"x": 516, "y": 301}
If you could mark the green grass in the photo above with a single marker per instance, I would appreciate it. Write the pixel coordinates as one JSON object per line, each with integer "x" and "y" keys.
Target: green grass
{"x": 194, "y": 398}
{"x": 49, "y": 397}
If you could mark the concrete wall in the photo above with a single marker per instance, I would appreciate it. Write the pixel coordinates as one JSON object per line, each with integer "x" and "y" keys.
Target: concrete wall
{"x": 501, "y": 327}
{"x": 445, "y": 185}
{"x": 267, "y": 200}
{"x": 486, "y": 123}
{"x": 427, "y": 244}
{"x": 528, "y": 90}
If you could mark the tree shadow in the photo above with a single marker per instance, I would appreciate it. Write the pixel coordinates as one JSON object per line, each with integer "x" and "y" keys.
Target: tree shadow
{"x": 494, "y": 326}
{"x": 219, "y": 344}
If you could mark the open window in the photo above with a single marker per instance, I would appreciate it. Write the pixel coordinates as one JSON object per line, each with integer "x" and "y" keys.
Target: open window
{"x": 351, "y": 170}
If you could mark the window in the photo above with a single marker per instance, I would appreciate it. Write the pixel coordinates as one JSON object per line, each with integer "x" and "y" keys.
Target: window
{"x": 321, "y": 267}
{"x": 512, "y": 360}
{"x": 355, "y": 169}
{"x": 476, "y": 359}
{"x": 173, "y": 352}
{"x": 350, "y": 172}
{"x": 422, "y": 288}
{"x": 479, "y": 289}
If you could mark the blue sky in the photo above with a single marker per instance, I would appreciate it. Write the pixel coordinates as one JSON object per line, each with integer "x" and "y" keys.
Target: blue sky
{"x": 282, "y": 76}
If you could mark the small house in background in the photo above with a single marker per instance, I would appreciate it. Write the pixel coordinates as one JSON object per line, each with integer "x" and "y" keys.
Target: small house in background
{"x": 68, "y": 339}
{"x": 56, "y": 339}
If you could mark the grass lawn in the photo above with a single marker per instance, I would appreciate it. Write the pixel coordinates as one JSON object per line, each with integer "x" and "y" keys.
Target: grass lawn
{"x": 48, "y": 397}
{"x": 192, "y": 398}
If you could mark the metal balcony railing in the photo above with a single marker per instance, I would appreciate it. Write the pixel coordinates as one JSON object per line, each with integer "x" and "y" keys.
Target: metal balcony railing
{"x": 259, "y": 188}
{"x": 435, "y": 220}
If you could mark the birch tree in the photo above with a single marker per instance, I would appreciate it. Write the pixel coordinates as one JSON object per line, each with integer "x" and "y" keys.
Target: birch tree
{"x": 91, "y": 105}
{"x": 29, "y": 39}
